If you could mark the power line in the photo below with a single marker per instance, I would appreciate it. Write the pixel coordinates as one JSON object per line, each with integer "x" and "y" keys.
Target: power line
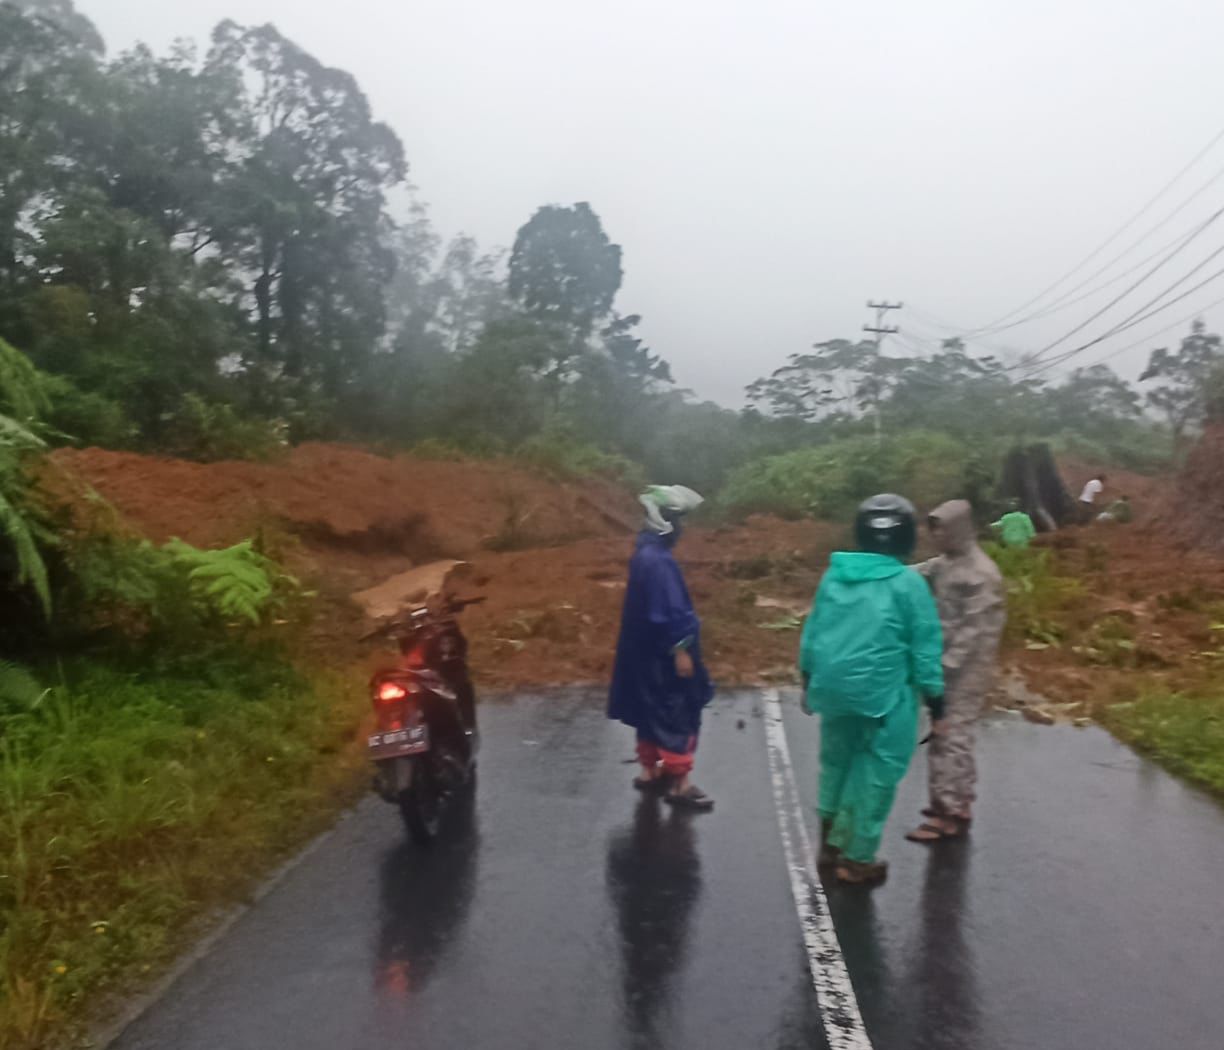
{"x": 1063, "y": 302}
{"x": 932, "y": 322}
{"x": 1186, "y": 242}
{"x": 1129, "y": 323}
{"x": 1156, "y": 334}
{"x": 1116, "y": 234}
{"x": 921, "y": 347}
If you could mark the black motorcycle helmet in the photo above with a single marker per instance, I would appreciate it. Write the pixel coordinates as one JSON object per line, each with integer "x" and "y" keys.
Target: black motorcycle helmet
{"x": 886, "y": 524}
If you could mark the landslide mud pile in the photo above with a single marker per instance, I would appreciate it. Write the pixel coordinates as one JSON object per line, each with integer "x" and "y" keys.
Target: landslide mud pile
{"x": 336, "y": 501}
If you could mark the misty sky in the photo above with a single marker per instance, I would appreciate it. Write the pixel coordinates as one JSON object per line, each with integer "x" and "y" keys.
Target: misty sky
{"x": 768, "y": 166}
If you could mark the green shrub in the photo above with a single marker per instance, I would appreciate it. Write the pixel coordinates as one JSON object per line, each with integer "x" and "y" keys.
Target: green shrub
{"x": 829, "y": 481}
{"x": 203, "y": 430}
{"x": 84, "y": 418}
{"x": 22, "y": 402}
{"x": 176, "y": 594}
{"x": 557, "y": 454}
{"x": 1037, "y": 597}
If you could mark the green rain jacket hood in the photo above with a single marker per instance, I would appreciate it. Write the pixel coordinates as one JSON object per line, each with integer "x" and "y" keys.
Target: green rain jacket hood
{"x": 873, "y": 638}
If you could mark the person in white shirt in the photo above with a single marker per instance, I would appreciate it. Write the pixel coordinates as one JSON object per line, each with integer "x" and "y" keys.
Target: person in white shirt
{"x": 1087, "y": 500}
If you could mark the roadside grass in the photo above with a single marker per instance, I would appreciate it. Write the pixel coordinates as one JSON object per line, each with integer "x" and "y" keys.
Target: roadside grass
{"x": 132, "y": 803}
{"x": 1181, "y": 728}
{"x": 1182, "y": 731}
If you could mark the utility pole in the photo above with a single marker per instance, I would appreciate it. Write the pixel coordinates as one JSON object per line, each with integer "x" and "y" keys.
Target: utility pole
{"x": 880, "y": 330}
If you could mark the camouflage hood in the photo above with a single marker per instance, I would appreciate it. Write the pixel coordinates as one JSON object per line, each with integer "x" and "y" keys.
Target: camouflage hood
{"x": 955, "y": 520}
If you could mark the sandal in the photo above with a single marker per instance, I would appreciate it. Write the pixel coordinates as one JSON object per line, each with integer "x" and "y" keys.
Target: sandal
{"x": 928, "y": 831}
{"x": 859, "y": 873}
{"x": 931, "y": 811}
{"x": 651, "y": 784}
{"x": 692, "y": 797}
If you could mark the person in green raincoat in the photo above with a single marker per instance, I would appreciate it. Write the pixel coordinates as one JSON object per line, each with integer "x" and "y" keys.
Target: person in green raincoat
{"x": 871, "y": 647}
{"x": 1015, "y": 528}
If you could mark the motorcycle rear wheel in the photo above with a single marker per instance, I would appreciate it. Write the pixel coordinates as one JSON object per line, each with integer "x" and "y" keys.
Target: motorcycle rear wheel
{"x": 421, "y": 806}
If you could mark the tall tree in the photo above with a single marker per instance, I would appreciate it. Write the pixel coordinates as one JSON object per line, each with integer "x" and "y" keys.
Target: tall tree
{"x": 1093, "y": 400}
{"x": 306, "y": 220}
{"x": 840, "y": 377}
{"x": 1183, "y": 376}
{"x": 504, "y": 388}
{"x": 953, "y": 391}
{"x": 48, "y": 63}
{"x": 564, "y": 269}
{"x": 469, "y": 293}
{"x": 615, "y": 399}
{"x": 161, "y": 141}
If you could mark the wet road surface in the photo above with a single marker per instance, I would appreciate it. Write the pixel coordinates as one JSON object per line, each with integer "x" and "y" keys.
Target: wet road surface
{"x": 561, "y": 910}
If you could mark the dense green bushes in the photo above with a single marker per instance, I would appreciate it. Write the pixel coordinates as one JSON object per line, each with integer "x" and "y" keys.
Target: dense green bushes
{"x": 176, "y": 594}
{"x": 830, "y": 480}
{"x": 557, "y": 453}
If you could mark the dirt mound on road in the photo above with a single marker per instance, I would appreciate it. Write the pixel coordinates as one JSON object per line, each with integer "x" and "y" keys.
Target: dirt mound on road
{"x": 341, "y": 499}
{"x": 553, "y": 616}
{"x": 551, "y": 557}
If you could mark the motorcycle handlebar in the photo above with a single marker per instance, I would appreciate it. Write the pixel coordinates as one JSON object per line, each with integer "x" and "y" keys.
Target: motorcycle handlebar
{"x": 398, "y": 620}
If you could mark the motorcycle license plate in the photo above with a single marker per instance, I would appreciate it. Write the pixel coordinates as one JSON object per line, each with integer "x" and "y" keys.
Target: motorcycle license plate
{"x": 399, "y": 742}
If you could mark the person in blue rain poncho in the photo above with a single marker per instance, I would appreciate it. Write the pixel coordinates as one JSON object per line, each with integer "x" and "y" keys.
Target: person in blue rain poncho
{"x": 659, "y": 682}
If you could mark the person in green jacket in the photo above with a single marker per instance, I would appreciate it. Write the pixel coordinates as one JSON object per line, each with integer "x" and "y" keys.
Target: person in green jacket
{"x": 1015, "y": 528}
{"x": 871, "y": 647}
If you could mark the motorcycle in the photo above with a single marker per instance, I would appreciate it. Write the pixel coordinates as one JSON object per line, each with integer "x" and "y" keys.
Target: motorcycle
{"x": 425, "y": 741}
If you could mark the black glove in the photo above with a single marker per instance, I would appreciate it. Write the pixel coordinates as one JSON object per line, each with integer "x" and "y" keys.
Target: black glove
{"x": 935, "y": 704}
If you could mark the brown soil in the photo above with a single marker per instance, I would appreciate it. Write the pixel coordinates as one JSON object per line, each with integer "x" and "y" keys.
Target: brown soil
{"x": 550, "y": 557}
{"x": 553, "y": 615}
{"x": 336, "y": 498}
{"x": 1151, "y": 608}
{"x": 1148, "y": 495}
{"x": 1148, "y": 616}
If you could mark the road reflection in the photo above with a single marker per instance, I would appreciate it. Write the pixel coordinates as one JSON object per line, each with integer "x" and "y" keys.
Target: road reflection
{"x": 654, "y": 880}
{"x": 426, "y": 893}
{"x": 916, "y": 992}
{"x": 943, "y": 970}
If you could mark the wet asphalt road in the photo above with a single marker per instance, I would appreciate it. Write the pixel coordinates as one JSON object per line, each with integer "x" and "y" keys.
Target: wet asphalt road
{"x": 560, "y": 910}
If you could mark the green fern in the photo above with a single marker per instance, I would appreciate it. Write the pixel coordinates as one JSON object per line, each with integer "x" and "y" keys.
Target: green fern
{"x": 235, "y": 583}
{"x": 21, "y": 402}
{"x": 21, "y": 394}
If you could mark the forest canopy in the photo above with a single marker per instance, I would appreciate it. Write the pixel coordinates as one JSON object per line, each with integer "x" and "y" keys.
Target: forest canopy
{"x": 216, "y": 250}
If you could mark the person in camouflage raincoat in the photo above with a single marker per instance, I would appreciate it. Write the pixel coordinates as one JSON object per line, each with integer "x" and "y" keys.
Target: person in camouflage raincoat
{"x": 969, "y": 593}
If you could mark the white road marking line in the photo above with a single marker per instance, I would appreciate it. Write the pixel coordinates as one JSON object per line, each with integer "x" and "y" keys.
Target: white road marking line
{"x": 839, "y": 1010}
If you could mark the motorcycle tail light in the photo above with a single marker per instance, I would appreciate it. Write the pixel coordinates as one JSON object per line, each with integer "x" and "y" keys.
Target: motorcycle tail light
{"x": 389, "y": 692}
